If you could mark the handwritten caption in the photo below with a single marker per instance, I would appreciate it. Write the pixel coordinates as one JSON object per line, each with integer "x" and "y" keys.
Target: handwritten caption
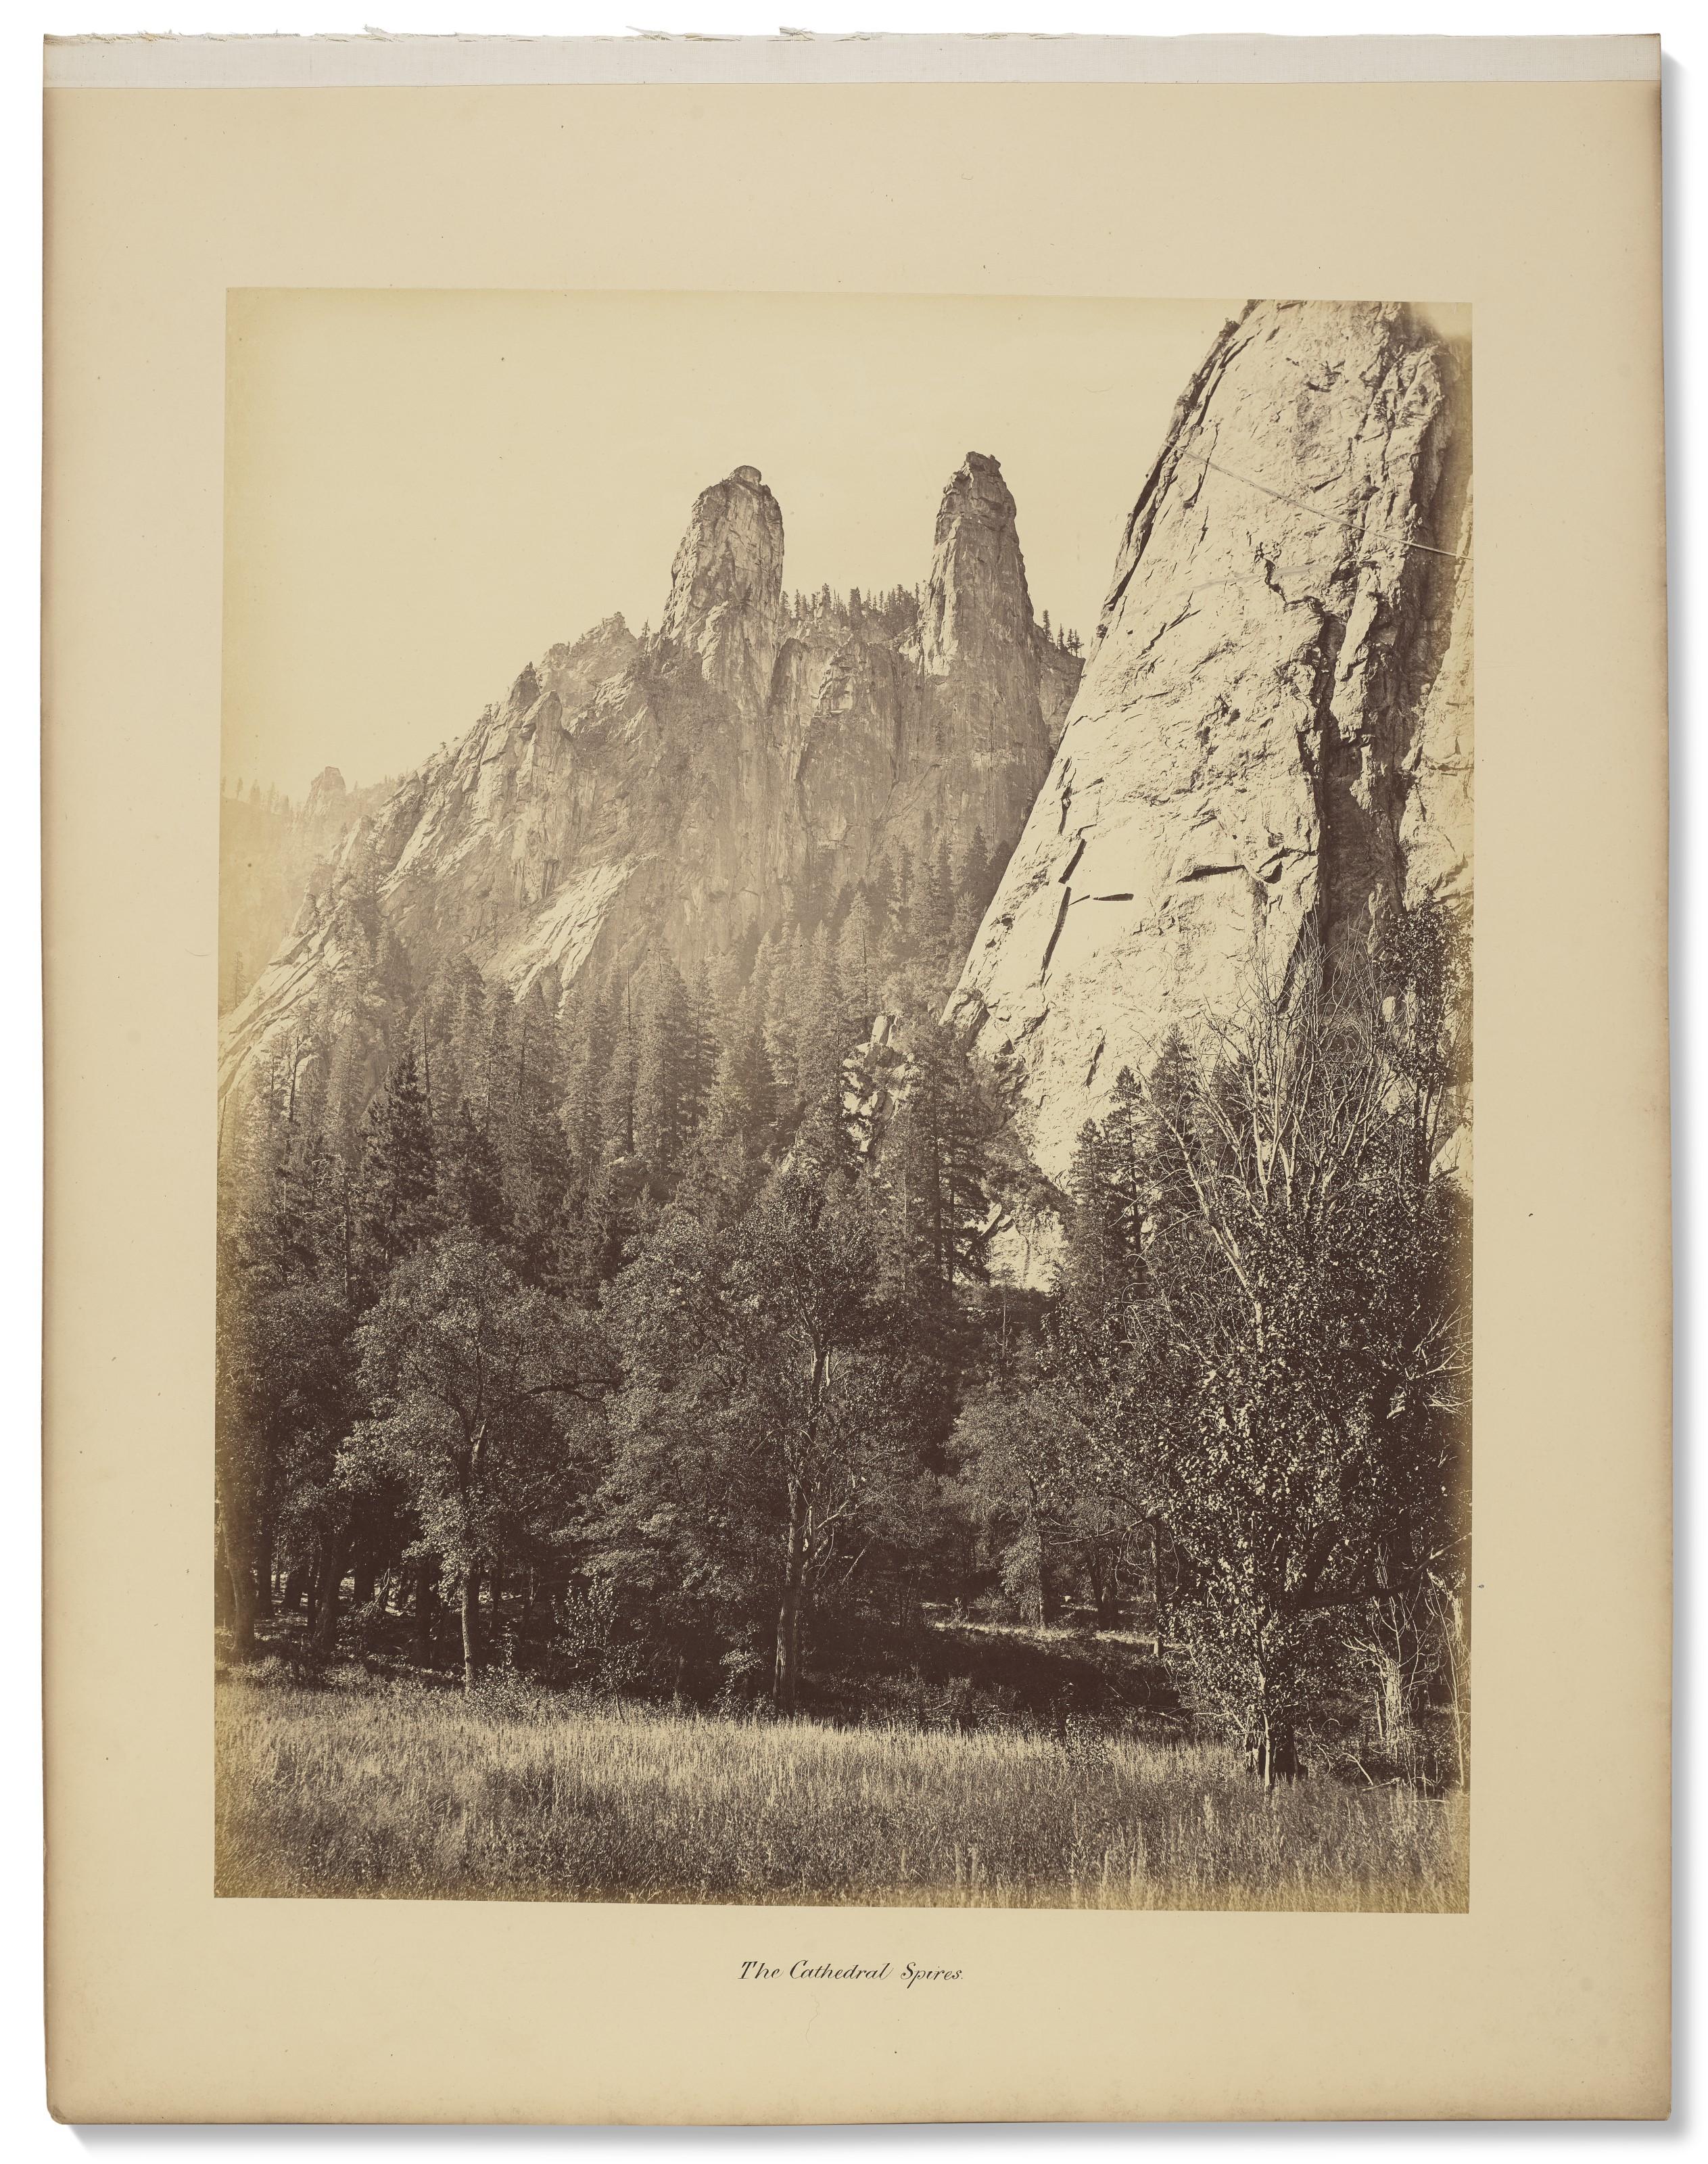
{"x": 811, "y": 1972}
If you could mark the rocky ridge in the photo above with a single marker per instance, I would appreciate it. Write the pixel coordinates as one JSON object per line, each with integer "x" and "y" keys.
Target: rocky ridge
{"x": 685, "y": 788}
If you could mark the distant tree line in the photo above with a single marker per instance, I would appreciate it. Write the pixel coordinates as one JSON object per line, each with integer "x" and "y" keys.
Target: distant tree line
{"x": 894, "y": 613}
{"x": 648, "y": 1332}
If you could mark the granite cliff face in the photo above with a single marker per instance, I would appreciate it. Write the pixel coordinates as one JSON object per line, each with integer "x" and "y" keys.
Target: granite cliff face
{"x": 726, "y": 587}
{"x": 987, "y": 673}
{"x": 1273, "y": 735}
{"x": 683, "y": 789}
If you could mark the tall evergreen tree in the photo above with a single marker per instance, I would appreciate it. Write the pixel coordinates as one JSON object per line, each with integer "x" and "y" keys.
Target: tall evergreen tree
{"x": 857, "y": 964}
{"x": 667, "y": 1067}
{"x": 1110, "y": 1184}
{"x": 779, "y": 970}
{"x": 933, "y": 1166}
{"x": 823, "y": 1038}
{"x": 472, "y": 1177}
{"x": 397, "y": 1204}
{"x": 616, "y": 1088}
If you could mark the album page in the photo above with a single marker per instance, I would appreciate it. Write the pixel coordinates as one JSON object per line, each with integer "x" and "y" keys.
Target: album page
{"x": 784, "y": 782}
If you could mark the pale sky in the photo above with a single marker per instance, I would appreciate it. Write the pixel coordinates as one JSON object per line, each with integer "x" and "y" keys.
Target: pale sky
{"x": 424, "y": 490}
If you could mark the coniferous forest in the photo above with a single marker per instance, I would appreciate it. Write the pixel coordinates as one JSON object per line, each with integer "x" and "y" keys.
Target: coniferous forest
{"x": 697, "y": 1419}
{"x": 648, "y": 1346}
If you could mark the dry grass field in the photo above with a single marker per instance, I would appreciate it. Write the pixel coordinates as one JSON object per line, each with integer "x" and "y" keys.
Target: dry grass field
{"x": 400, "y": 1791}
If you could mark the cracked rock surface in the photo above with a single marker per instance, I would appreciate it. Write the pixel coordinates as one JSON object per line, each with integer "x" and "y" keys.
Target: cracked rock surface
{"x": 1274, "y": 729}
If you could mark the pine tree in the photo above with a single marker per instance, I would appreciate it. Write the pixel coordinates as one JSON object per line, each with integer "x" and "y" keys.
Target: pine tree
{"x": 474, "y": 1179}
{"x": 666, "y": 1067}
{"x": 1111, "y": 1183}
{"x": 857, "y": 964}
{"x": 822, "y": 1040}
{"x": 617, "y": 1090}
{"x": 396, "y": 1198}
{"x": 463, "y": 1059}
{"x": 780, "y": 973}
{"x": 1166, "y": 1115}
{"x": 259, "y": 1169}
{"x": 741, "y": 1107}
{"x": 709, "y": 998}
{"x": 498, "y": 1069}
{"x": 585, "y": 1028}
{"x": 934, "y": 1167}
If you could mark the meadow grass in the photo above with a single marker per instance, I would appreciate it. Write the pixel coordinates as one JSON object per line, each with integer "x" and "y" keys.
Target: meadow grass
{"x": 407, "y": 1793}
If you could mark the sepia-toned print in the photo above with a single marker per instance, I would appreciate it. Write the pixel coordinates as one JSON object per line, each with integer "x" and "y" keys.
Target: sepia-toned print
{"x": 845, "y": 1223}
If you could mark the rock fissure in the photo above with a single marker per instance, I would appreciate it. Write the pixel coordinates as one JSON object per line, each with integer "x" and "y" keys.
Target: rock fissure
{"x": 1055, "y": 933}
